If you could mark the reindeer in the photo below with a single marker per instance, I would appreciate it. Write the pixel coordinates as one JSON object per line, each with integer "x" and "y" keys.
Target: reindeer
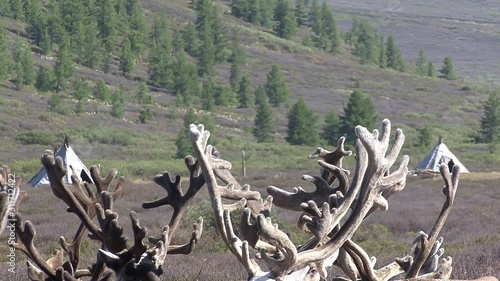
{"x": 331, "y": 213}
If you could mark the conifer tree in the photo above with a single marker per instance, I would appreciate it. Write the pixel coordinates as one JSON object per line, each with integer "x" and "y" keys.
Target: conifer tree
{"x": 394, "y": 58}
{"x": 191, "y": 40}
{"x": 366, "y": 42}
{"x": 219, "y": 35}
{"x": 359, "y": 111}
{"x": 206, "y": 61}
{"x": 382, "y": 59}
{"x": 446, "y": 70}
{"x": 142, "y": 94}
{"x": 24, "y": 66}
{"x": 302, "y": 124}
{"x": 314, "y": 17}
{"x": 101, "y": 91}
{"x": 286, "y": 25}
{"x": 264, "y": 125}
{"x": 276, "y": 88}
{"x": 160, "y": 61}
{"x": 37, "y": 28}
{"x": 44, "y": 79}
{"x": 300, "y": 13}
{"x": 159, "y": 30}
{"x": 267, "y": 13}
{"x": 184, "y": 147}
{"x": 223, "y": 96}
{"x": 64, "y": 67}
{"x": 81, "y": 89}
{"x": 431, "y": 72}
{"x": 55, "y": 26}
{"x": 126, "y": 57}
{"x": 237, "y": 59}
{"x": 5, "y": 61}
{"x": 107, "y": 23}
{"x": 16, "y": 8}
{"x": 331, "y": 128}
{"x": 117, "y": 101}
{"x": 330, "y": 30}
{"x": 240, "y": 8}
{"x": 490, "y": 122}
{"x": 421, "y": 64}
{"x": 424, "y": 135}
{"x": 260, "y": 95}
{"x": 137, "y": 27}
{"x": 207, "y": 94}
{"x": 145, "y": 115}
{"x": 245, "y": 98}
{"x": 185, "y": 79}
{"x": 254, "y": 11}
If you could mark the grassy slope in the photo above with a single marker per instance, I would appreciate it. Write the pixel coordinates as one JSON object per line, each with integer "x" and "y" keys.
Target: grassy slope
{"x": 323, "y": 80}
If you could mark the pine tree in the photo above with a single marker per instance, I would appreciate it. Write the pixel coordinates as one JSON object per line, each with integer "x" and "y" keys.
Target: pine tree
{"x": 207, "y": 94}
{"x": 126, "y": 58}
{"x": 191, "y": 40}
{"x": 286, "y": 25}
{"x": 55, "y": 25}
{"x": 264, "y": 125}
{"x": 160, "y": 61}
{"x": 330, "y": 30}
{"x": 37, "y": 28}
{"x": 254, "y": 11}
{"x": 137, "y": 27}
{"x": 382, "y": 59}
{"x": 223, "y": 96}
{"x": 101, "y": 91}
{"x": 366, "y": 42}
{"x": 300, "y": 13}
{"x": 394, "y": 58}
{"x": 302, "y": 124}
{"x": 240, "y": 8}
{"x": 276, "y": 88}
{"x": 245, "y": 99}
{"x": 331, "y": 128}
{"x": 16, "y": 8}
{"x": 219, "y": 35}
{"x": 142, "y": 94}
{"x": 421, "y": 64}
{"x": 260, "y": 95}
{"x": 81, "y": 89}
{"x": 185, "y": 79}
{"x": 431, "y": 72}
{"x": 359, "y": 111}
{"x": 145, "y": 115}
{"x": 107, "y": 22}
{"x": 184, "y": 147}
{"x": 117, "y": 101}
{"x": 447, "y": 71}
{"x": 64, "y": 67}
{"x": 5, "y": 61}
{"x": 91, "y": 46}
{"x": 266, "y": 13}
{"x": 314, "y": 17}
{"x": 206, "y": 61}
{"x": 490, "y": 122}
{"x": 237, "y": 59}
{"x": 56, "y": 104}
{"x": 44, "y": 79}
{"x": 24, "y": 66}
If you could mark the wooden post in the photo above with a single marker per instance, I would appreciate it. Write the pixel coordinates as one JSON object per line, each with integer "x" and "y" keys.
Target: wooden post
{"x": 243, "y": 164}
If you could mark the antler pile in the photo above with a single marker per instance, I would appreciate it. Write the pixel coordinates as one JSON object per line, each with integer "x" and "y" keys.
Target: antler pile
{"x": 323, "y": 211}
{"x": 331, "y": 214}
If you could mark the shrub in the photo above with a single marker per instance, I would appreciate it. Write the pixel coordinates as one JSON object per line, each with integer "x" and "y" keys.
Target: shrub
{"x": 37, "y": 137}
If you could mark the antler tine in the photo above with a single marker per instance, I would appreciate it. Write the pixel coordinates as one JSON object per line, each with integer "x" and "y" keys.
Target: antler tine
{"x": 367, "y": 180}
{"x": 199, "y": 137}
{"x": 26, "y": 234}
{"x": 111, "y": 234}
{"x": 56, "y": 172}
{"x": 103, "y": 184}
{"x": 451, "y": 185}
{"x": 188, "y": 247}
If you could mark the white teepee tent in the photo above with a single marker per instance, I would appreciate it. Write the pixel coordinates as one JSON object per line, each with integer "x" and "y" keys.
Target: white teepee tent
{"x": 72, "y": 164}
{"x": 440, "y": 154}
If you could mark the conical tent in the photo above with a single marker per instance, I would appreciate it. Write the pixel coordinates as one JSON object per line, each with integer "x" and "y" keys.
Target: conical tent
{"x": 440, "y": 154}
{"x": 71, "y": 163}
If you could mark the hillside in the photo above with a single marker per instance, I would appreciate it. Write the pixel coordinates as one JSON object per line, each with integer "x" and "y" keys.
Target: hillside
{"x": 451, "y": 108}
